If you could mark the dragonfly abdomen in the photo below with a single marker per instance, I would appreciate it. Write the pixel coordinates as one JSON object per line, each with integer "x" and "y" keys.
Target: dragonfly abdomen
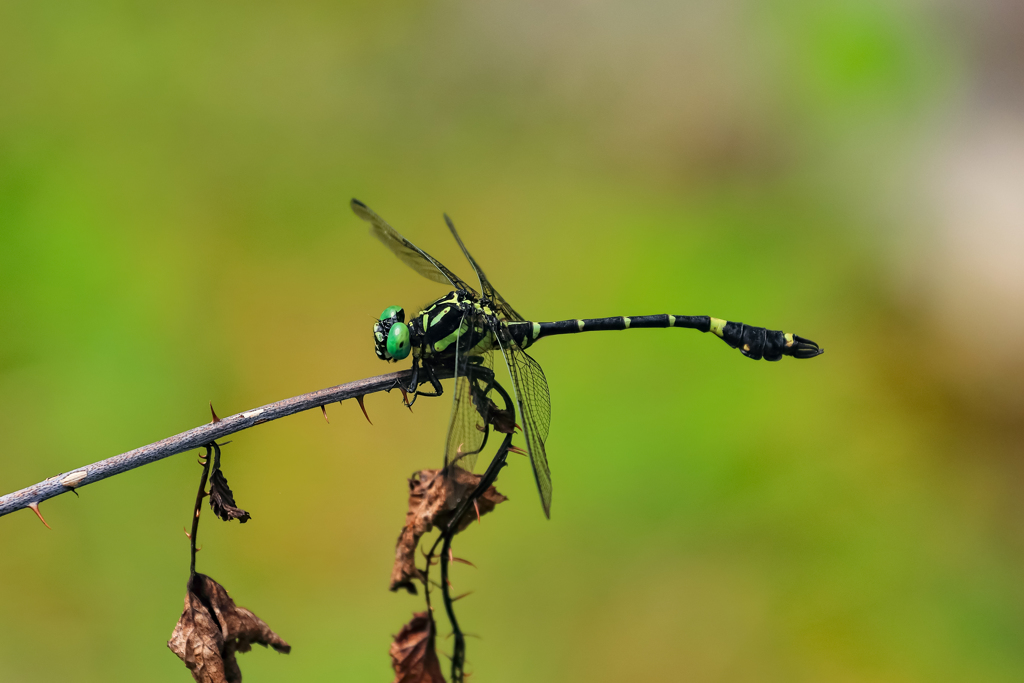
{"x": 697, "y": 322}
{"x": 753, "y": 342}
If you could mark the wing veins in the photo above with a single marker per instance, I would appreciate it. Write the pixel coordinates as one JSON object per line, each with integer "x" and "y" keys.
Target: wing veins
{"x": 411, "y": 255}
{"x": 520, "y": 371}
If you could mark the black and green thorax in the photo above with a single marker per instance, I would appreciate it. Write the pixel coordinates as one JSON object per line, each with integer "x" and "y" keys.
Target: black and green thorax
{"x": 456, "y": 324}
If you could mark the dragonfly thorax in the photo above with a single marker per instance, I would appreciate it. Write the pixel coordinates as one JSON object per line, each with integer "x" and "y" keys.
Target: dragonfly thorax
{"x": 455, "y": 324}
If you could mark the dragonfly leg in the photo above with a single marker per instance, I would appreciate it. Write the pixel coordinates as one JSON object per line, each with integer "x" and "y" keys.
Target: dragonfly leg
{"x": 434, "y": 382}
{"x": 413, "y": 387}
{"x": 477, "y": 370}
{"x": 408, "y": 403}
{"x": 413, "y": 379}
{"x": 480, "y": 403}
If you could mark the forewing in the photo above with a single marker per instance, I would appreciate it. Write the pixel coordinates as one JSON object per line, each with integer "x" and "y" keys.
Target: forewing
{"x": 409, "y": 253}
{"x": 504, "y": 311}
{"x": 528, "y": 381}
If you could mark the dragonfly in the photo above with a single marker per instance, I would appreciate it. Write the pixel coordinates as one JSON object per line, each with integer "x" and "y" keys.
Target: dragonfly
{"x": 464, "y": 330}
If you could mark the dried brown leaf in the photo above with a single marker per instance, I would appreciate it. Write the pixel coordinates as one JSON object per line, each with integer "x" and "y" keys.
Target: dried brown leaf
{"x": 222, "y": 500}
{"x": 413, "y": 656}
{"x": 212, "y": 628}
{"x": 197, "y": 640}
{"x": 465, "y": 484}
{"x": 433, "y": 498}
{"x": 503, "y": 421}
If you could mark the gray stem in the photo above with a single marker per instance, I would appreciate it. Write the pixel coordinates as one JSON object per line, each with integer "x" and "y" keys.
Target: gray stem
{"x": 198, "y": 437}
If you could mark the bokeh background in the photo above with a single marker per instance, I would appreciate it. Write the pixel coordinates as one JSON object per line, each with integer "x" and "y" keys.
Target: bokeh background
{"x": 174, "y": 229}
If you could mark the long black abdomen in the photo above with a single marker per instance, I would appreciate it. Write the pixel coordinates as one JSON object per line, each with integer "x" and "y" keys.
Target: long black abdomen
{"x": 753, "y": 342}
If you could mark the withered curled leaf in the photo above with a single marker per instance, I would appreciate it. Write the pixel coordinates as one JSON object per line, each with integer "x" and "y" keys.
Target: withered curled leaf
{"x": 503, "y": 421}
{"x": 464, "y": 484}
{"x": 212, "y": 629}
{"x": 413, "y": 656}
{"x": 198, "y": 641}
{"x": 222, "y": 500}
{"x": 433, "y": 498}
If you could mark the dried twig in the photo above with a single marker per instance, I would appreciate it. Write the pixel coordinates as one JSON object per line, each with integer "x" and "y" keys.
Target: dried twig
{"x": 199, "y": 437}
{"x": 199, "y": 508}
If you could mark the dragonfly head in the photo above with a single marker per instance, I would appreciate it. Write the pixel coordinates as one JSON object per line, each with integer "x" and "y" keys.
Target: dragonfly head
{"x": 391, "y": 335}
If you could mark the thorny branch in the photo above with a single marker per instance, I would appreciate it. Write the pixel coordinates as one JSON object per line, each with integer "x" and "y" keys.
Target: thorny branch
{"x": 206, "y": 436}
{"x": 199, "y": 437}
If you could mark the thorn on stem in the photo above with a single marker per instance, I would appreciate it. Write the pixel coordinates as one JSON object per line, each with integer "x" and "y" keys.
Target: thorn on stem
{"x": 517, "y": 450}
{"x": 324, "y": 409}
{"x": 360, "y": 399}
{"x": 464, "y": 635}
{"x": 35, "y": 508}
{"x": 459, "y": 559}
{"x": 214, "y": 413}
{"x": 476, "y": 506}
{"x": 187, "y": 534}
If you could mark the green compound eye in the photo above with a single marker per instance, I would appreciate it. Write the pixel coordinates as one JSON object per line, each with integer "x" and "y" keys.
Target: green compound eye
{"x": 398, "y": 341}
{"x": 395, "y": 312}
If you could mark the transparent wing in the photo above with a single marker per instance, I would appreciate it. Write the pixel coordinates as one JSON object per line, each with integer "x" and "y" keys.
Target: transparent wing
{"x": 528, "y": 381}
{"x": 467, "y": 431}
{"x": 504, "y": 311}
{"x": 409, "y": 253}
{"x": 531, "y": 390}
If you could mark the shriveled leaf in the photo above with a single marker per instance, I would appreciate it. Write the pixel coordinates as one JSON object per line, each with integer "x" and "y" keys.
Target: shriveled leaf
{"x": 413, "y": 656}
{"x": 222, "y": 500}
{"x": 198, "y": 642}
{"x": 433, "y": 498}
{"x": 426, "y": 496}
{"x": 487, "y": 501}
{"x": 503, "y": 421}
{"x": 212, "y": 628}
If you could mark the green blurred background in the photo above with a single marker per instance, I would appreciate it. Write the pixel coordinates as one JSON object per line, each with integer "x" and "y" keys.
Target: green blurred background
{"x": 174, "y": 229}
